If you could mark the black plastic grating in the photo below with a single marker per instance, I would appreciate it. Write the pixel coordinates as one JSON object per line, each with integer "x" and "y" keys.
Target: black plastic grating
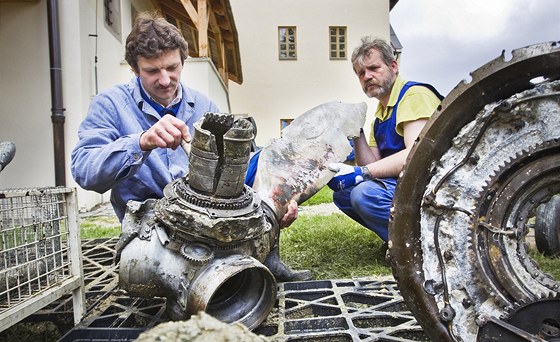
{"x": 362, "y": 309}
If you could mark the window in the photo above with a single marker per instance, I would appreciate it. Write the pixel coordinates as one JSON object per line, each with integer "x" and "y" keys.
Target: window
{"x": 287, "y": 42}
{"x": 112, "y": 17}
{"x": 337, "y": 42}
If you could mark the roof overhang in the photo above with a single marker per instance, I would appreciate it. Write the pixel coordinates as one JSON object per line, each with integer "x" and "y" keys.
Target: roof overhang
{"x": 209, "y": 28}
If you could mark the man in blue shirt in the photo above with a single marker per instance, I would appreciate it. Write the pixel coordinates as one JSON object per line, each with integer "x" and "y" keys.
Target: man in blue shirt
{"x": 128, "y": 142}
{"x": 129, "y": 138}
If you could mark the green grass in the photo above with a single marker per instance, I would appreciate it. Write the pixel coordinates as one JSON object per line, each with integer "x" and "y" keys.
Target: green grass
{"x": 336, "y": 247}
{"x": 34, "y": 332}
{"x": 547, "y": 264}
{"x": 322, "y": 196}
{"x": 99, "y": 227}
{"x": 333, "y": 247}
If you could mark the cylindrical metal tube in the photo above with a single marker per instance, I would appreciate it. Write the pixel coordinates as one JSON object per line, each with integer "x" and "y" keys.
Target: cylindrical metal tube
{"x": 237, "y": 288}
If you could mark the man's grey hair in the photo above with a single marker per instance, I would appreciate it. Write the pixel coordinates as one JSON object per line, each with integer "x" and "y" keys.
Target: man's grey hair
{"x": 368, "y": 44}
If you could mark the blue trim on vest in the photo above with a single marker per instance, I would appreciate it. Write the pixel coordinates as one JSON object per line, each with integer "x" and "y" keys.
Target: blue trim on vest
{"x": 161, "y": 110}
{"x": 252, "y": 169}
{"x": 385, "y": 132}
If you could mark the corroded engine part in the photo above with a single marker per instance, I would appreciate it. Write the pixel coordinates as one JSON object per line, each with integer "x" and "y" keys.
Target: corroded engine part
{"x": 202, "y": 247}
{"x": 191, "y": 215}
{"x": 220, "y": 153}
{"x": 228, "y": 284}
{"x": 7, "y": 153}
{"x": 486, "y": 160}
{"x": 547, "y": 227}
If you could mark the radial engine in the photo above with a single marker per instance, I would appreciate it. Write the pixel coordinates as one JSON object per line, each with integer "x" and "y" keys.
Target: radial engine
{"x": 465, "y": 204}
{"x": 203, "y": 244}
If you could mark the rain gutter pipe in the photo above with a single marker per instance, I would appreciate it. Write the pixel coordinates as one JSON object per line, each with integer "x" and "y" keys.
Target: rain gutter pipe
{"x": 57, "y": 109}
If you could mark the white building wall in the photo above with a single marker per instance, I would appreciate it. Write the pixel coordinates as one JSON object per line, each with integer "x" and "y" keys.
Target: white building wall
{"x": 25, "y": 94}
{"x": 26, "y": 100}
{"x": 81, "y": 73}
{"x": 276, "y": 89}
{"x": 202, "y": 75}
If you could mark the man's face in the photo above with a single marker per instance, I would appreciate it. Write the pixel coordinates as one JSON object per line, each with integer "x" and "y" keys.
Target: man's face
{"x": 160, "y": 75}
{"x": 375, "y": 76}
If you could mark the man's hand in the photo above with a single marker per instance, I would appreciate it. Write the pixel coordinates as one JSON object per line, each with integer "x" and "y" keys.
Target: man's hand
{"x": 346, "y": 176}
{"x": 166, "y": 133}
{"x": 290, "y": 216}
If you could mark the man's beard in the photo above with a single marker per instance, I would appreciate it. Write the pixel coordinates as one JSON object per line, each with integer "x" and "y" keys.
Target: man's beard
{"x": 384, "y": 88}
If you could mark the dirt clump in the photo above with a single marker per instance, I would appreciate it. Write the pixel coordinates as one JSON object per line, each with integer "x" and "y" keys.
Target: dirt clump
{"x": 200, "y": 328}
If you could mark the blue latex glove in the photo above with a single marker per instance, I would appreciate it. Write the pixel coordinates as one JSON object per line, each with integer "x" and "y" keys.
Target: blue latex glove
{"x": 346, "y": 176}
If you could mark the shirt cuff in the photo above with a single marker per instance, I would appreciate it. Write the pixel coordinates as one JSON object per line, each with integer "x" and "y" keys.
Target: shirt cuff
{"x": 133, "y": 149}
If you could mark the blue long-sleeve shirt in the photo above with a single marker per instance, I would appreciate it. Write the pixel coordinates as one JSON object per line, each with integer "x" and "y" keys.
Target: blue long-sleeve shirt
{"x": 108, "y": 155}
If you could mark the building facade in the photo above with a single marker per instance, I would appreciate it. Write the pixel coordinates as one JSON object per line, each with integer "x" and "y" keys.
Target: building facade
{"x": 295, "y": 55}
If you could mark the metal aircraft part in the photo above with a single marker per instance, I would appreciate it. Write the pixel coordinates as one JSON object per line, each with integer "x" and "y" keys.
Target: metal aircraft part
{"x": 547, "y": 227}
{"x": 203, "y": 244}
{"x": 7, "y": 153}
{"x": 295, "y": 166}
{"x": 220, "y": 154}
{"x": 483, "y": 164}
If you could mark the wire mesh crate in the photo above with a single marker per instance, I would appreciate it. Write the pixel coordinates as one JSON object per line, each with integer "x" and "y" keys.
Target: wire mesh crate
{"x": 40, "y": 252}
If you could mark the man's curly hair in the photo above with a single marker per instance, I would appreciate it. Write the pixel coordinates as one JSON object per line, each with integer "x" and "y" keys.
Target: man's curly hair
{"x": 151, "y": 36}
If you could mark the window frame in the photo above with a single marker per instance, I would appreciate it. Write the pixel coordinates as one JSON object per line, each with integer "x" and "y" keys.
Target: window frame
{"x": 112, "y": 17}
{"x": 290, "y": 54}
{"x": 339, "y": 54}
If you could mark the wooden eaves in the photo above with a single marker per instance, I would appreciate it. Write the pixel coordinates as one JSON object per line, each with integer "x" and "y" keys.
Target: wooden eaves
{"x": 209, "y": 28}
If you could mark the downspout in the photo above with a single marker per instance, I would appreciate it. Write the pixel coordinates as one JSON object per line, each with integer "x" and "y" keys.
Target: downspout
{"x": 57, "y": 109}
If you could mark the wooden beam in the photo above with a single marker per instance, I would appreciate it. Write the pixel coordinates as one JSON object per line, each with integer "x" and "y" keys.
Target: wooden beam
{"x": 191, "y": 11}
{"x": 203, "y": 28}
{"x": 223, "y": 61}
{"x": 223, "y": 23}
{"x": 220, "y": 43}
{"x": 229, "y": 44}
{"x": 213, "y": 22}
{"x": 175, "y": 10}
{"x": 218, "y": 7}
{"x": 156, "y": 5}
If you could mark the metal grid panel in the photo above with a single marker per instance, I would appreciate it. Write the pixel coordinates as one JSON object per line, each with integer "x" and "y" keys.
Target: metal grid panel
{"x": 100, "y": 278}
{"x": 39, "y": 251}
{"x": 361, "y": 309}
